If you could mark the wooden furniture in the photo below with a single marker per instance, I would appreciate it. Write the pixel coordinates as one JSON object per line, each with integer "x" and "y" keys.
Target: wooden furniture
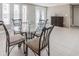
{"x": 13, "y": 40}
{"x": 57, "y": 20}
{"x": 37, "y": 44}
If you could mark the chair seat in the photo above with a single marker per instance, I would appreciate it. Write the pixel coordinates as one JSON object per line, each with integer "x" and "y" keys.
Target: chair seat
{"x": 34, "y": 44}
{"x": 14, "y": 39}
{"x": 36, "y": 34}
{"x": 29, "y": 36}
{"x": 1, "y": 28}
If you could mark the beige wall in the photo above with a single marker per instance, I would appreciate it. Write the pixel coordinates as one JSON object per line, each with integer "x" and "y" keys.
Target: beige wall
{"x": 76, "y": 15}
{"x": 60, "y": 10}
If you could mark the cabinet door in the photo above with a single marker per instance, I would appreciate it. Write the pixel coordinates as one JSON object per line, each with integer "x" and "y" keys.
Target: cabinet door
{"x": 53, "y": 21}
{"x": 60, "y": 21}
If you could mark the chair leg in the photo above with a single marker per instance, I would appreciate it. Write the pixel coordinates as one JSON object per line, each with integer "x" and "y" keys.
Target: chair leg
{"x": 39, "y": 54}
{"x": 8, "y": 51}
{"x": 19, "y": 45}
{"x": 48, "y": 50}
{"x": 34, "y": 54}
{"x": 26, "y": 53}
{"x": 24, "y": 47}
{"x": 6, "y": 47}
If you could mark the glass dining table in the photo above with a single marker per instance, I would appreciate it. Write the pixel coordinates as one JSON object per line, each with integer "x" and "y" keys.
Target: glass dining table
{"x": 27, "y": 31}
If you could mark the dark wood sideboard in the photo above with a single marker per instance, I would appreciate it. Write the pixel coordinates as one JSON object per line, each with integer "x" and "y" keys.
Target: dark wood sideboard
{"x": 57, "y": 20}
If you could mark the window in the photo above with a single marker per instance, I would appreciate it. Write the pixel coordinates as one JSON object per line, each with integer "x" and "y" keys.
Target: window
{"x": 6, "y": 13}
{"x": 40, "y": 14}
{"x": 24, "y": 13}
{"x": 37, "y": 15}
{"x": 17, "y": 28}
{"x": 24, "y": 18}
{"x": 16, "y": 11}
{"x": 43, "y": 13}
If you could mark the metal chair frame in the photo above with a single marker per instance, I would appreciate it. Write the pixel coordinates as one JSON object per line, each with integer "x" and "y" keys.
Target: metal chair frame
{"x": 45, "y": 42}
{"x": 8, "y": 43}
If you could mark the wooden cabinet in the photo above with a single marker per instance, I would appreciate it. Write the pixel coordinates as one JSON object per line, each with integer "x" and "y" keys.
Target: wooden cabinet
{"x": 57, "y": 21}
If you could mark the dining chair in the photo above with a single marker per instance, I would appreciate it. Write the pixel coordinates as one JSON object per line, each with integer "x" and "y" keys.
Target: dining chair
{"x": 41, "y": 25}
{"x": 1, "y": 27}
{"x": 13, "y": 40}
{"x": 37, "y": 44}
{"x": 17, "y": 26}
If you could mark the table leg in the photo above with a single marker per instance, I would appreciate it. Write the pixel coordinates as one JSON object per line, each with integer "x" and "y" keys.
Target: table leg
{"x": 26, "y": 53}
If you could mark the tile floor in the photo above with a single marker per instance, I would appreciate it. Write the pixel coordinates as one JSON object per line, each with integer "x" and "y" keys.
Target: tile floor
{"x": 63, "y": 42}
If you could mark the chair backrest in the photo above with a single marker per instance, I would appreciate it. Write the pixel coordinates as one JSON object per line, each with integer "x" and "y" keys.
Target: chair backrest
{"x": 17, "y": 25}
{"x": 6, "y": 31}
{"x": 42, "y": 24}
{"x": 44, "y": 37}
{"x": 1, "y": 22}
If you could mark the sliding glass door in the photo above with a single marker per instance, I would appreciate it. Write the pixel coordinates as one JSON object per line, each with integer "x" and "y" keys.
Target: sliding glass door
{"x": 24, "y": 18}
{"x": 6, "y": 13}
{"x": 16, "y": 18}
{"x": 40, "y": 14}
{"x": 16, "y": 11}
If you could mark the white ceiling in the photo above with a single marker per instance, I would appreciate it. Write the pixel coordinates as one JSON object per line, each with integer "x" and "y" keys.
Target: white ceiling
{"x": 49, "y": 4}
